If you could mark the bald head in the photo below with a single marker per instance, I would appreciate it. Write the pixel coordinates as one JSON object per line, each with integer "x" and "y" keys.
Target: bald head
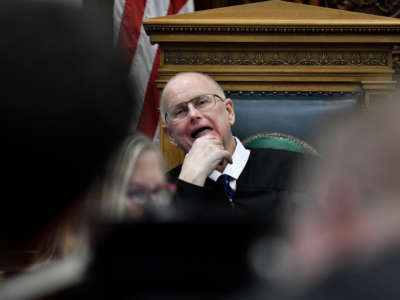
{"x": 181, "y": 81}
{"x": 216, "y": 119}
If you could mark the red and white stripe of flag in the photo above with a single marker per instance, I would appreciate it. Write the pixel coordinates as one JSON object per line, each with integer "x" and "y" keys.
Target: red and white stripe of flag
{"x": 143, "y": 58}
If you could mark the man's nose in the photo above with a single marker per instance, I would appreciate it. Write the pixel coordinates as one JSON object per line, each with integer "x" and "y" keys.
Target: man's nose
{"x": 192, "y": 111}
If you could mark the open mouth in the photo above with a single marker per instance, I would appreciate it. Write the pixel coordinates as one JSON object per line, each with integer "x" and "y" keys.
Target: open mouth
{"x": 201, "y": 131}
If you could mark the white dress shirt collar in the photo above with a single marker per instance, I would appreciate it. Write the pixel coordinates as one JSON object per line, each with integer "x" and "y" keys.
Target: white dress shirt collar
{"x": 239, "y": 159}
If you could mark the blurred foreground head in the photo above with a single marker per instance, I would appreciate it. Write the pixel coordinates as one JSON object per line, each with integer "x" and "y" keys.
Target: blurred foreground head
{"x": 353, "y": 211}
{"x": 135, "y": 184}
{"x": 64, "y": 108}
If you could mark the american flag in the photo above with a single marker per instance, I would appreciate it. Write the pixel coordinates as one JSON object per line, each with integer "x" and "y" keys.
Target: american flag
{"x": 143, "y": 59}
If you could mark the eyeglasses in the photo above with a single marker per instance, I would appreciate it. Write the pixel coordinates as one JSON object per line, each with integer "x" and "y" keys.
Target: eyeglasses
{"x": 158, "y": 196}
{"x": 200, "y": 103}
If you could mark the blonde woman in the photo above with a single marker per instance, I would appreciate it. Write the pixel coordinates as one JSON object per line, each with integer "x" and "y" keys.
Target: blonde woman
{"x": 135, "y": 181}
{"x": 133, "y": 184}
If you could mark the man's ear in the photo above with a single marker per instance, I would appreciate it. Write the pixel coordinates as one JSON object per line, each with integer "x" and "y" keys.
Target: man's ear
{"x": 169, "y": 134}
{"x": 231, "y": 112}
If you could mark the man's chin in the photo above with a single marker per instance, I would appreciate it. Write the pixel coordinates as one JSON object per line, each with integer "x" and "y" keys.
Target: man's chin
{"x": 186, "y": 148}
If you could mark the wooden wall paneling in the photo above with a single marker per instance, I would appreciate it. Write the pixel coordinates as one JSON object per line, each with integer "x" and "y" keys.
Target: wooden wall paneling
{"x": 280, "y": 46}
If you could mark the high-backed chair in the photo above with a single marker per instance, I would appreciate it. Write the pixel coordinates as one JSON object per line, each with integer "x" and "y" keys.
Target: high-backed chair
{"x": 288, "y": 113}
{"x": 274, "y": 140}
{"x": 295, "y": 64}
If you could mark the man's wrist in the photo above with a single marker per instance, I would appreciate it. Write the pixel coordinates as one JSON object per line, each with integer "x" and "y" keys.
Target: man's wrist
{"x": 192, "y": 178}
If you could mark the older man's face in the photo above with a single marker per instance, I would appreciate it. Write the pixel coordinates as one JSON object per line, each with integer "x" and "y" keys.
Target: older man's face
{"x": 215, "y": 121}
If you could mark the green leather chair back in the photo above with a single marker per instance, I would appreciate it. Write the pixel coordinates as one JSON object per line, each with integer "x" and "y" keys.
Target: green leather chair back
{"x": 275, "y": 140}
{"x": 300, "y": 114}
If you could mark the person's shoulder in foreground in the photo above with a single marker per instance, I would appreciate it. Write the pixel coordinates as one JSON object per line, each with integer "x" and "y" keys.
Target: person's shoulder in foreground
{"x": 343, "y": 242}
{"x": 65, "y": 108}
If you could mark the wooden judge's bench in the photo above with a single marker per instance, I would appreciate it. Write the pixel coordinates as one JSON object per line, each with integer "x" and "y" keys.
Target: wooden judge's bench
{"x": 276, "y": 46}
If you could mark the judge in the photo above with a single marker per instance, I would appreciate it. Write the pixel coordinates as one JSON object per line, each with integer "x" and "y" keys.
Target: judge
{"x": 218, "y": 172}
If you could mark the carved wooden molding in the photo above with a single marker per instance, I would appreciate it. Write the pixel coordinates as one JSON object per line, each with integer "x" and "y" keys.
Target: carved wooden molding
{"x": 281, "y": 58}
{"x": 389, "y": 8}
{"x": 396, "y": 60}
{"x": 238, "y": 94}
{"x": 164, "y": 28}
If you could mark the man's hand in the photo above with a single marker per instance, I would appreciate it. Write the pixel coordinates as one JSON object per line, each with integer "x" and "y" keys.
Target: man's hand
{"x": 206, "y": 154}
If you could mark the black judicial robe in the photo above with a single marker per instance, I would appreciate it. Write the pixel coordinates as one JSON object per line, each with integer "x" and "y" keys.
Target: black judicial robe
{"x": 262, "y": 189}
